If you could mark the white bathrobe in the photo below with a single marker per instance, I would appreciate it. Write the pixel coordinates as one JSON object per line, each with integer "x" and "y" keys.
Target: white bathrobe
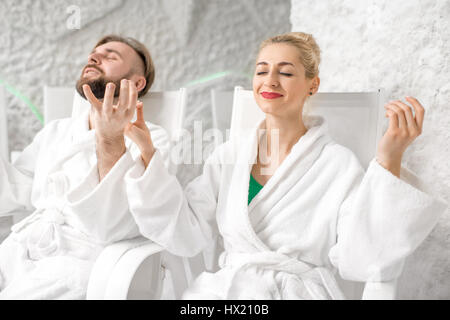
{"x": 319, "y": 213}
{"x": 50, "y": 253}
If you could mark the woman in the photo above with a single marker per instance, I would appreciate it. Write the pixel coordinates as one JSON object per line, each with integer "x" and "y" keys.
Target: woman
{"x": 311, "y": 209}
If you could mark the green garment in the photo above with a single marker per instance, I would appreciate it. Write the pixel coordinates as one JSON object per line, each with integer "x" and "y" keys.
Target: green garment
{"x": 253, "y": 189}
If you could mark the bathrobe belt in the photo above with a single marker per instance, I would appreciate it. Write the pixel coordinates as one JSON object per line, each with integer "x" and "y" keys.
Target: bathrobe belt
{"x": 279, "y": 262}
{"x": 45, "y": 236}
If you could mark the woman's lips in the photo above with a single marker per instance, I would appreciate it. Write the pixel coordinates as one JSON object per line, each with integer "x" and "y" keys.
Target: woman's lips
{"x": 271, "y": 95}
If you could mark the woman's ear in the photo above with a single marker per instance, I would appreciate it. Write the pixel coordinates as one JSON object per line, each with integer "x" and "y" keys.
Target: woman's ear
{"x": 315, "y": 84}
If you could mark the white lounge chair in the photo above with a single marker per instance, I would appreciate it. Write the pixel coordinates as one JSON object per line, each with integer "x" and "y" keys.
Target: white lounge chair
{"x": 165, "y": 109}
{"x": 221, "y": 109}
{"x": 108, "y": 278}
{"x": 346, "y": 114}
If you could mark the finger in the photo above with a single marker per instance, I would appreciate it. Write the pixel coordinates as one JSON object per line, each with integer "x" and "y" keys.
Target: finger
{"x": 139, "y": 105}
{"x": 131, "y": 131}
{"x": 402, "y": 124}
{"x": 132, "y": 102}
{"x": 108, "y": 101}
{"x": 420, "y": 111}
{"x": 388, "y": 114}
{"x": 140, "y": 112}
{"x": 128, "y": 127}
{"x": 393, "y": 120}
{"x": 124, "y": 95}
{"x": 133, "y": 95}
{"x": 91, "y": 97}
{"x": 411, "y": 123}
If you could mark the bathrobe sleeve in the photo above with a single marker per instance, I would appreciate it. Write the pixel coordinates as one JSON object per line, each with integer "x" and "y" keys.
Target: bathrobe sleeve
{"x": 382, "y": 221}
{"x": 16, "y": 180}
{"x": 106, "y": 201}
{"x": 182, "y": 221}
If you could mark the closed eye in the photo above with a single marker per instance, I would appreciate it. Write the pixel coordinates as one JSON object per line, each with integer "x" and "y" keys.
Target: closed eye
{"x": 282, "y": 73}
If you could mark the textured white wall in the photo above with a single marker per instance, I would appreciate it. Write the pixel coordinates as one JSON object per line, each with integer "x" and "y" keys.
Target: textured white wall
{"x": 403, "y": 47}
{"x": 188, "y": 39}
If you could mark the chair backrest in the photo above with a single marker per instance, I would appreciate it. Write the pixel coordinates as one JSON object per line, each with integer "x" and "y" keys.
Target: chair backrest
{"x": 221, "y": 109}
{"x": 58, "y": 103}
{"x": 165, "y": 109}
{"x": 354, "y": 119}
{"x": 3, "y": 127}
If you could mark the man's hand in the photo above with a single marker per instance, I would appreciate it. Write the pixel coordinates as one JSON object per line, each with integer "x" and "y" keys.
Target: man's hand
{"x": 110, "y": 121}
{"x": 140, "y": 134}
{"x": 403, "y": 129}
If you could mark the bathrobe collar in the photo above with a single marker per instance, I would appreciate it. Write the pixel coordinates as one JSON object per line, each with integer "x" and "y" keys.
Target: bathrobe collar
{"x": 302, "y": 156}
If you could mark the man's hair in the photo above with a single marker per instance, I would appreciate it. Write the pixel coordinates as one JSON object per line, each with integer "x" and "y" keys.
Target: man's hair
{"x": 142, "y": 51}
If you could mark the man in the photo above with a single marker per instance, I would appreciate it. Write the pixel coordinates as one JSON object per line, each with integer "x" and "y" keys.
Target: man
{"x": 66, "y": 177}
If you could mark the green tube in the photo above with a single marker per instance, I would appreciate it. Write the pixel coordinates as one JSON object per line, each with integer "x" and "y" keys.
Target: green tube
{"x": 38, "y": 115}
{"x": 214, "y": 77}
{"x": 27, "y": 101}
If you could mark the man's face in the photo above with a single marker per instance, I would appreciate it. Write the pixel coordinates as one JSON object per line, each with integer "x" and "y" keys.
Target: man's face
{"x": 110, "y": 62}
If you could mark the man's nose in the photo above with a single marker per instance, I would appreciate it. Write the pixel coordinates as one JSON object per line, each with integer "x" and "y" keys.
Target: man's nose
{"x": 94, "y": 59}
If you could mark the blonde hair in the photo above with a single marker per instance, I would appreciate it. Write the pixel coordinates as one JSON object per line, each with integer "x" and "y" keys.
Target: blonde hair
{"x": 306, "y": 44}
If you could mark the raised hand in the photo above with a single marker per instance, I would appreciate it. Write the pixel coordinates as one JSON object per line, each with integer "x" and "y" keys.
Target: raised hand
{"x": 110, "y": 121}
{"x": 139, "y": 133}
{"x": 404, "y": 128}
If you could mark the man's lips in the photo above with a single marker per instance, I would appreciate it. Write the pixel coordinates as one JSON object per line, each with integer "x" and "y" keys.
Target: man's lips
{"x": 90, "y": 69}
{"x": 271, "y": 95}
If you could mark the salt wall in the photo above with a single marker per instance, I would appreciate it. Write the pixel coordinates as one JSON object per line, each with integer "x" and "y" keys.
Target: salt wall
{"x": 190, "y": 40}
{"x": 401, "y": 46}
{"x": 404, "y": 48}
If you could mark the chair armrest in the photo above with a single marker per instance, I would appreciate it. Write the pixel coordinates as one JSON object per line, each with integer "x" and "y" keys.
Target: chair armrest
{"x": 20, "y": 215}
{"x": 117, "y": 266}
{"x": 180, "y": 273}
{"x": 14, "y": 155}
{"x": 380, "y": 290}
{"x": 17, "y": 215}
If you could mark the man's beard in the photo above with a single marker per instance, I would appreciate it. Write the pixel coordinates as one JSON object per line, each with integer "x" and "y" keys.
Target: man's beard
{"x": 98, "y": 86}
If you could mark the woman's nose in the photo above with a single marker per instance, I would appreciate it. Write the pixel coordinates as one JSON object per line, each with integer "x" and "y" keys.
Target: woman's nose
{"x": 272, "y": 81}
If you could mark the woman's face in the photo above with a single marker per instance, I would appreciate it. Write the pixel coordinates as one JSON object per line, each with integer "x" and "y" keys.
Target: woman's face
{"x": 280, "y": 86}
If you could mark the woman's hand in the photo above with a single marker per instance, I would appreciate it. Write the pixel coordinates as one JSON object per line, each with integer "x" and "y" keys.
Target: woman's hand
{"x": 140, "y": 134}
{"x": 403, "y": 129}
